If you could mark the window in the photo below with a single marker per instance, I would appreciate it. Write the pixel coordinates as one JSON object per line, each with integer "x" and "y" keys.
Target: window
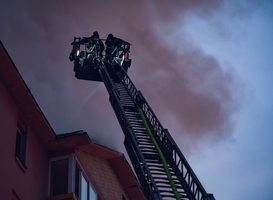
{"x": 77, "y": 181}
{"x": 59, "y": 177}
{"x": 92, "y": 194}
{"x": 83, "y": 188}
{"x": 66, "y": 176}
{"x": 21, "y": 142}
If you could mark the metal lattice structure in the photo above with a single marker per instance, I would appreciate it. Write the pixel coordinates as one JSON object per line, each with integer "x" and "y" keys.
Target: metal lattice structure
{"x": 161, "y": 168}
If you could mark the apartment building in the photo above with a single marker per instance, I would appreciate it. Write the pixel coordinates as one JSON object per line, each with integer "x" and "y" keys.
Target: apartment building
{"x": 38, "y": 164}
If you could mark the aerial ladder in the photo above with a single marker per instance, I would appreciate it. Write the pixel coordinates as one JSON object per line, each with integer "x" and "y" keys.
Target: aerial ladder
{"x": 161, "y": 168}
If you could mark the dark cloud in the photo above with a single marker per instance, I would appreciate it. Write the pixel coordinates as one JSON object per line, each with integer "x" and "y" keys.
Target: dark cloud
{"x": 189, "y": 86}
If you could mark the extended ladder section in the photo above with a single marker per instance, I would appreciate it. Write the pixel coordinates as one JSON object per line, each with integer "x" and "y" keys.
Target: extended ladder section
{"x": 160, "y": 166}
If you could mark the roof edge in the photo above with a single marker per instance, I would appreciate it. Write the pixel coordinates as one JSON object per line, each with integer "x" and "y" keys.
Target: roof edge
{"x": 26, "y": 87}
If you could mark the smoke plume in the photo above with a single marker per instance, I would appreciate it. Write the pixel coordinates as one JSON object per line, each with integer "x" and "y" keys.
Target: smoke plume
{"x": 188, "y": 90}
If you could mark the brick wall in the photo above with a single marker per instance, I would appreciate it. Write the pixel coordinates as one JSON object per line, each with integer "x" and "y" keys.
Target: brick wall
{"x": 103, "y": 175}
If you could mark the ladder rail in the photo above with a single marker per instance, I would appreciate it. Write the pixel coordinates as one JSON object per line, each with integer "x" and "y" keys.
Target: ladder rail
{"x": 150, "y": 147}
{"x": 180, "y": 165}
{"x": 142, "y": 170}
{"x": 171, "y": 151}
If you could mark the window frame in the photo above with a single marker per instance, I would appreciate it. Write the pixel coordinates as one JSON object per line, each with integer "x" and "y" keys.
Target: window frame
{"x": 89, "y": 185}
{"x": 21, "y": 143}
{"x": 65, "y": 163}
{"x": 72, "y": 167}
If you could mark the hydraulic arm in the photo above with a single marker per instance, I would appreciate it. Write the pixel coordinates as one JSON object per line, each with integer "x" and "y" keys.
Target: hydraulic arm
{"x": 161, "y": 168}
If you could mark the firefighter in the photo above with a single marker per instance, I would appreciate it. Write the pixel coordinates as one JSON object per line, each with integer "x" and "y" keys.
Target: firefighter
{"x": 111, "y": 43}
{"x": 93, "y": 40}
